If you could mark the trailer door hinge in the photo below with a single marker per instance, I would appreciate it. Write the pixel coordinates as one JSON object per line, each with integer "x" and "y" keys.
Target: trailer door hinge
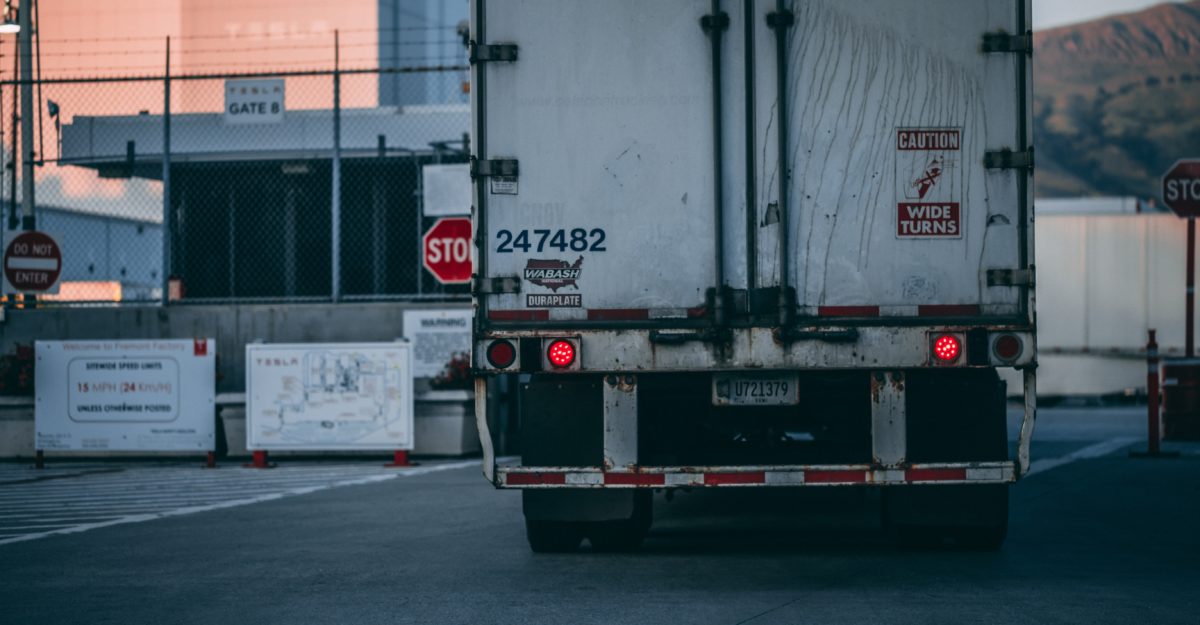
{"x": 507, "y": 168}
{"x": 1004, "y": 42}
{"x": 781, "y": 20}
{"x": 493, "y": 53}
{"x": 1010, "y": 277}
{"x": 718, "y": 21}
{"x": 1007, "y": 159}
{"x": 499, "y": 285}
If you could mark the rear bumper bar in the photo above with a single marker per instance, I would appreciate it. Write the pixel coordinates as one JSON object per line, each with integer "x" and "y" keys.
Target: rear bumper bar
{"x": 887, "y": 441}
{"x": 757, "y": 476}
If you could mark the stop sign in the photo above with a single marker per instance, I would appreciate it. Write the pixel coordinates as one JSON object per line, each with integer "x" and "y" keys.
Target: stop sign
{"x": 32, "y": 262}
{"x": 1181, "y": 188}
{"x": 447, "y": 250}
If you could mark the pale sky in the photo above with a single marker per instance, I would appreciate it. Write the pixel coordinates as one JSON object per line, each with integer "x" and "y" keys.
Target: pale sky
{"x": 1051, "y": 13}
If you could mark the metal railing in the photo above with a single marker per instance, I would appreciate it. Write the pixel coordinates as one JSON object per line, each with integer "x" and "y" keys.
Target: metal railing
{"x": 295, "y": 186}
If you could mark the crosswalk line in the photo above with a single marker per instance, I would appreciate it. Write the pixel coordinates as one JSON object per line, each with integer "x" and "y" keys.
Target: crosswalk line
{"x": 86, "y": 500}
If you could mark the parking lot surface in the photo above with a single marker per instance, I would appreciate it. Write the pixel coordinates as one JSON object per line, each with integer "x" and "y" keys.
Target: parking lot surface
{"x": 1095, "y": 537}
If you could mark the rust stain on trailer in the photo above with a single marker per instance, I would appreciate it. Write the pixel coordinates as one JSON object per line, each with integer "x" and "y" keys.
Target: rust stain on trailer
{"x": 881, "y": 381}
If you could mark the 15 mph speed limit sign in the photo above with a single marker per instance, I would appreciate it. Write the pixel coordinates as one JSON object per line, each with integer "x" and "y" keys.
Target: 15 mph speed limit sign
{"x": 32, "y": 263}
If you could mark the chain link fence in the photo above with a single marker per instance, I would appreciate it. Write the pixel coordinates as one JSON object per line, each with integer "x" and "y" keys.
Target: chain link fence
{"x": 286, "y": 187}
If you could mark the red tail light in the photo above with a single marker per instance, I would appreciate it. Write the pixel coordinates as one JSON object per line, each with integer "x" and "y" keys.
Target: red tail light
{"x": 561, "y": 354}
{"x": 502, "y": 354}
{"x": 1007, "y": 347}
{"x": 947, "y": 348}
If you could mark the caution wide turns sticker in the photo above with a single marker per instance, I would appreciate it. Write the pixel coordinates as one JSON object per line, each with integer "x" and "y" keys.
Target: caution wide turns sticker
{"x": 929, "y": 183}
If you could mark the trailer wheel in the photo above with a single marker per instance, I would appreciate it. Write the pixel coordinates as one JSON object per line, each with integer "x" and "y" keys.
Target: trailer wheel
{"x": 553, "y": 536}
{"x": 957, "y": 517}
{"x": 624, "y": 534}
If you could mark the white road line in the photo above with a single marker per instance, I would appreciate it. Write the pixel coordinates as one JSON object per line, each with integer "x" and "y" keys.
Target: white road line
{"x": 151, "y": 477}
{"x": 76, "y": 518}
{"x": 9, "y": 528}
{"x": 175, "y": 480}
{"x": 173, "y": 493}
{"x": 1092, "y": 451}
{"x": 105, "y": 511}
{"x": 271, "y": 496}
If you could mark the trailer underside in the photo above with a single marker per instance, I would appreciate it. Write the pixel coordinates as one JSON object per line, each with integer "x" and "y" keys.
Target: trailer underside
{"x": 952, "y": 440}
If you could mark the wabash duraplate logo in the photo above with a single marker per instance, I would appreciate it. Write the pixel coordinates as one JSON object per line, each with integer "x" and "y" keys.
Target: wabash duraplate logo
{"x": 554, "y": 274}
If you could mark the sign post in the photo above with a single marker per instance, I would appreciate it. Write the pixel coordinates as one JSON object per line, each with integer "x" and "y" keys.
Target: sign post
{"x": 1181, "y": 193}
{"x": 446, "y": 250}
{"x": 32, "y": 263}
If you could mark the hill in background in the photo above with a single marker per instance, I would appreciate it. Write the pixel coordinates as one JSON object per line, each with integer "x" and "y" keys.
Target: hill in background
{"x": 1116, "y": 101}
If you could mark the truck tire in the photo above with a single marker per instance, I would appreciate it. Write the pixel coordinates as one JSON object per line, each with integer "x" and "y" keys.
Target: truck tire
{"x": 554, "y": 536}
{"x": 624, "y": 534}
{"x": 959, "y": 517}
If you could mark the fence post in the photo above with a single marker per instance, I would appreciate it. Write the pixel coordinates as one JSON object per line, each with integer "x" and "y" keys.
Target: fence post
{"x": 167, "y": 217}
{"x": 28, "y": 114}
{"x": 416, "y": 160}
{"x": 336, "y": 182}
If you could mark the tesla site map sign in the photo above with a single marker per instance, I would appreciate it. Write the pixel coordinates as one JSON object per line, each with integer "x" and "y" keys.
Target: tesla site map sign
{"x": 329, "y": 396}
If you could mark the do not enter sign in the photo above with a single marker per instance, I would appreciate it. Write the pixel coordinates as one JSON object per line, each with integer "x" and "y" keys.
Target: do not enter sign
{"x": 32, "y": 263}
{"x": 1181, "y": 188}
{"x": 447, "y": 250}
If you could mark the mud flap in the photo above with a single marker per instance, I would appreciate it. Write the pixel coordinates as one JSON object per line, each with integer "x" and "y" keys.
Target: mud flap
{"x": 970, "y": 517}
{"x": 578, "y": 505}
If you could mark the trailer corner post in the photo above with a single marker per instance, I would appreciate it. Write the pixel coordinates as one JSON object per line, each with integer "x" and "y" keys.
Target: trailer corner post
{"x": 485, "y": 433}
{"x": 1027, "y": 421}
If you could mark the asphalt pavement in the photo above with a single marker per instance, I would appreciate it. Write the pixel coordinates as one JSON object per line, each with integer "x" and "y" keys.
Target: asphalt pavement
{"x": 1095, "y": 537}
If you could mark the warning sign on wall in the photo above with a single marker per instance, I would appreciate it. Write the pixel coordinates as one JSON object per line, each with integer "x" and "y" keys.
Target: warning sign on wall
{"x": 928, "y": 183}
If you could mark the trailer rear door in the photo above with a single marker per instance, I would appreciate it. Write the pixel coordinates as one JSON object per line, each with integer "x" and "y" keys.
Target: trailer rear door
{"x": 891, "y": 109}
{"x": 607, "y": 112}
{"x": 881, "y": 206}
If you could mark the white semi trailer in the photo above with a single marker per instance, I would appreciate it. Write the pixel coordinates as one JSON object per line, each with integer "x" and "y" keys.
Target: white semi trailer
{"x": 757, "y": 243}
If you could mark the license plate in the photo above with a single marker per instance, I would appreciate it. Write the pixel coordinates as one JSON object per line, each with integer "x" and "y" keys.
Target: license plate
{"x": 755, "y": 390}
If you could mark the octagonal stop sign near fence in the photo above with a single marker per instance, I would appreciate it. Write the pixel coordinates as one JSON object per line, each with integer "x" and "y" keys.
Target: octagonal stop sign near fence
{"x": 1181, "y": 188}
{"x": 447, "y": 250}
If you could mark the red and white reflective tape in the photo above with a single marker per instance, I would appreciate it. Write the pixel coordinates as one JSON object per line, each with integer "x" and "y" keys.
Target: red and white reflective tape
{"x": 836, "y": 475}
{"x": 597, "y": 314}
{"x": 932, "y": 310}
{"x": 644, "y": 314}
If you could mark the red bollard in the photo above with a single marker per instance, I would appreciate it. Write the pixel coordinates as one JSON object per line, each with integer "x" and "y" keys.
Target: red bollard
{"x": 400, "y": 459}
{"x": 1152, "y": 392}
{"x": 259, "y": 461}
{"x": 210, "y": 461}
{"x": 1152, "y": 405}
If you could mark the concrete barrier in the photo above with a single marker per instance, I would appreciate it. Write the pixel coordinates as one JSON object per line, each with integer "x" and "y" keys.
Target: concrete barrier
{"x": 233, "y": 326}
